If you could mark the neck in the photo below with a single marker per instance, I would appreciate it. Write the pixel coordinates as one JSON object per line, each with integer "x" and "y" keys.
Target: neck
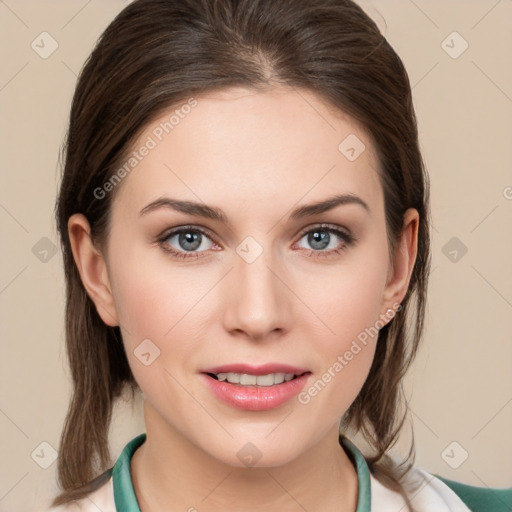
{"x": 171, "y": 474}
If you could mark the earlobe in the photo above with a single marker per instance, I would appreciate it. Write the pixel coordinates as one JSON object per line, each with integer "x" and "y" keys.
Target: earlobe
{"x": 403, "y": 264}
{"x": 92, "y": 268}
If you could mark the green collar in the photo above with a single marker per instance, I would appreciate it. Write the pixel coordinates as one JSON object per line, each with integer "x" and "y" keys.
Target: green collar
{"x": 124, "y": 495}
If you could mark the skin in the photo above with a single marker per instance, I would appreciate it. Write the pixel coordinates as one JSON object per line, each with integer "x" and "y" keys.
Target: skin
{"x": 257, "y": 156}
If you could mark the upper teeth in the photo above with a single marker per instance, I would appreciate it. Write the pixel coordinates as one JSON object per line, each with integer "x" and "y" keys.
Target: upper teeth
{"x": 255, "y": 380}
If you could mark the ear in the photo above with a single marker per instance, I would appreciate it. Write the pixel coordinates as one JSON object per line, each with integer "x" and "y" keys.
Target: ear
{"x": 92, "y": 268}
{"x": 401, "y": 268}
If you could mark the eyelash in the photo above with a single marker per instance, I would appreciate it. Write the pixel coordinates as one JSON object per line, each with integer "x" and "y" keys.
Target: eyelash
{"x": 348, "y": 240}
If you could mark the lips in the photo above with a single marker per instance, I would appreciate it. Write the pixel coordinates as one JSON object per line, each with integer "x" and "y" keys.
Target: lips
{"x": 255, "y": 388}
{"x": 263, "y": 369}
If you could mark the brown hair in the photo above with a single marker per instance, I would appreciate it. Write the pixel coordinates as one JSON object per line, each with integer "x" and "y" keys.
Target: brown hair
{"x": 158, "y": 53}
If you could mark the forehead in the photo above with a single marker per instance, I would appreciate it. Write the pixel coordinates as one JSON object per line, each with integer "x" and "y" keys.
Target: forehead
{"x": 252, "y": 150}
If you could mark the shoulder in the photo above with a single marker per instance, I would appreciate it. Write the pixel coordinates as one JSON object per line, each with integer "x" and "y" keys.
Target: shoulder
{"x": 481, "y": 498}
{"x": 100, "y": 499}
{"x": 428, "y": 491}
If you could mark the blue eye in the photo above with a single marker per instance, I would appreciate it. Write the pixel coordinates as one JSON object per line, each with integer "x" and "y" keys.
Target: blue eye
{"x": 189, "y": 240}
{"x": 320, "y": 238}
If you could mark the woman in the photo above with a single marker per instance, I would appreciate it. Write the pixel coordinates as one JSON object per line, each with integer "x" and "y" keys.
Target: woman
{"x": 245, "y": 225}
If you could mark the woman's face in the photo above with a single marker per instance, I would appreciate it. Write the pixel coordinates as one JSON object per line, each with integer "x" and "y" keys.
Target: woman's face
{"x": 269, "y": 285}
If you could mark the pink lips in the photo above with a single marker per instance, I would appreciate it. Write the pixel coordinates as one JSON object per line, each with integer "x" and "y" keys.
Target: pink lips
{"x": 256, "y": 398}
{"x": 263, "y": 369}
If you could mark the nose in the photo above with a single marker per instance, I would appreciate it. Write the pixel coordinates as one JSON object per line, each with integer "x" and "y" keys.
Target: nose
{"x": 257, "y": 304}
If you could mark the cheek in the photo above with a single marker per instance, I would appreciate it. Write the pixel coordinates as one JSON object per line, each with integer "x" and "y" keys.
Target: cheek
{"x": 349, "y": 308}
{"x": 349, "y": 299}
{"x": 154, "y": 312}
{"x": 159, "y": 301}
{"x": 345, "y": 357}
{"x": 151, "y": 297}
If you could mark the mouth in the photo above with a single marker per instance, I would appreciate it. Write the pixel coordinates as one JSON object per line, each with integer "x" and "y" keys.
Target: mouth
{"x": 247, "y": 379}
{"x": 255, "y": 388}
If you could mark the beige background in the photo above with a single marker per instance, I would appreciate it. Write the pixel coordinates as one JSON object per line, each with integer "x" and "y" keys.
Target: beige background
{"x": 460, "y": 387}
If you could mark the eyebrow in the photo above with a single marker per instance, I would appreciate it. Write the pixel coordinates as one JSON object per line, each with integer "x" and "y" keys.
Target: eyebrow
{"x": 215, "y": 213}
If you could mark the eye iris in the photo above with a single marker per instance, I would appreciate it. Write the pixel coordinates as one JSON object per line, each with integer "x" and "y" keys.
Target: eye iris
{"x": 319, "y": 237}
{"x": 189, "y": 237}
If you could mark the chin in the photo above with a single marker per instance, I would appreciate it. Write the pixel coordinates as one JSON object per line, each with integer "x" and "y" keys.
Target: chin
{"x": 256, "y": 452}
